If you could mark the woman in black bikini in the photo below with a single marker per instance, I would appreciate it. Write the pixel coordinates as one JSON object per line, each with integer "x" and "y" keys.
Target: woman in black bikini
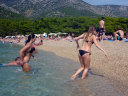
{"x": 84, "y": 52}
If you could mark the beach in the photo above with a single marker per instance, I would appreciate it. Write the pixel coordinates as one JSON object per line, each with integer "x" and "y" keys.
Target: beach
{"x": 113, "y": 69}
{"x": 58, "y": 60}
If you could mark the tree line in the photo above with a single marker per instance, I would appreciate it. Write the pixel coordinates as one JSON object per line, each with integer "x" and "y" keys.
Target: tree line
{"x": 76, "y": 25}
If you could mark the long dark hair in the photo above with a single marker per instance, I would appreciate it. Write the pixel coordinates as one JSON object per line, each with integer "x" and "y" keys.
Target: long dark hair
{"x": 31, "y": 36}
{"x": 32, "y": 49}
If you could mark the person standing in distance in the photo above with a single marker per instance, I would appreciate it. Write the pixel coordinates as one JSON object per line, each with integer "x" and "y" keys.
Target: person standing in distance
{"x": 101, "y": 29}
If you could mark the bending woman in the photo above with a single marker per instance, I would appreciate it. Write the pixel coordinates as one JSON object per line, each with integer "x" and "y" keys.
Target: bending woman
{"x": 25, "y": 50}
{"x": 84, "y": 52}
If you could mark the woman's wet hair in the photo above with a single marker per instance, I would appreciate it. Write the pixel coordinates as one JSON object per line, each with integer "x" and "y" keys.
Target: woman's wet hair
{"x": 31, "y": 36}
{"x": 17, "y": 58}
{"x": 32, "y": 49}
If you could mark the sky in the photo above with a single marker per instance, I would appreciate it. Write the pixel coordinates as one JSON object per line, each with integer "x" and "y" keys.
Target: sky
{"x": 107, "y": 2}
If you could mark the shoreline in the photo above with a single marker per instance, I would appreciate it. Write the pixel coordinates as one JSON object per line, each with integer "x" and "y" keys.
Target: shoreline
{"x": 99, "y": 64}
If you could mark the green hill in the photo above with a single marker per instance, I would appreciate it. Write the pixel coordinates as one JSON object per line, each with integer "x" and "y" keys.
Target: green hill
{"x": 49, "y": 8}
{"x": 5, "y": 14}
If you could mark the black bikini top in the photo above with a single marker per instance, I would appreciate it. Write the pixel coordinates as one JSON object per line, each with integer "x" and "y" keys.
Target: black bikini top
{"x": 88, "y": 41}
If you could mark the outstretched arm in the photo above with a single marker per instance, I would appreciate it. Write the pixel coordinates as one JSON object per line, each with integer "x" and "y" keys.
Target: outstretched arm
{"x": 97, "y": 45}
{"x": 77, "y": 38}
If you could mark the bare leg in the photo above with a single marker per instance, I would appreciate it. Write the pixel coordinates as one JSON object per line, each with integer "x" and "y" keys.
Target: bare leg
{"x": 80, "y": 69}
{"x": 115, "y": 36}
{"x": 87, "y": 64}
{"x": 103, "y": 36}
{"x": 100, "y": 37}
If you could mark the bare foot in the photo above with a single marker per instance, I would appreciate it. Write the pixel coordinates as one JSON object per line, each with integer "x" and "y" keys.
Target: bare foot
{"x": 83, "y": 78}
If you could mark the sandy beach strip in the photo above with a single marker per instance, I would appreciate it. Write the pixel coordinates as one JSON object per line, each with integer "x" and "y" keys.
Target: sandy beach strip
{"x": 114, "y": 69}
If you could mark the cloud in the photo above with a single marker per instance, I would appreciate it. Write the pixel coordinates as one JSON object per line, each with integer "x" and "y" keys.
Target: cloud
{"x": 107, "y": 2}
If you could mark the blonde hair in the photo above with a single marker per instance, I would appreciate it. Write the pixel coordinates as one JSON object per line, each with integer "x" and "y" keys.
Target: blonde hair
{"x": 91, "y": 31}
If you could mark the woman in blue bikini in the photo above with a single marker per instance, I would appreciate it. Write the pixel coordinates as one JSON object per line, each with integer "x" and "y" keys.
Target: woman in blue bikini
{"x": 26, "y": 66}
{"x": 84, "y": 52}
{"x": 26, "y": 53}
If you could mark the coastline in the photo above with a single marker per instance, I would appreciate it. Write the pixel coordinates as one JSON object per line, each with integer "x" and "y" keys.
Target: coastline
{"x": 114, "y": 69}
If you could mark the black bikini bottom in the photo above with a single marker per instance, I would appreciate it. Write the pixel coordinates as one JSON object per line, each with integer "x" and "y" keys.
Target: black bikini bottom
{"x": 82, "y": 52}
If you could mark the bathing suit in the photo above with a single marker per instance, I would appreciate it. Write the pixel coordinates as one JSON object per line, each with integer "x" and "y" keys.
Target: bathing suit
{"x": 25, "y": 63}
{"x": 119, "y": 38}
{"x": 82, "y": 52}
{"x": 101, "y": 31}
{"x": 88, "y": 41}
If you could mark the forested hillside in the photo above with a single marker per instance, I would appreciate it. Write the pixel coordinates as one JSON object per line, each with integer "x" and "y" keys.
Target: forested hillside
{"x": 55, "y": 25}
{"x": 4, "y": 14}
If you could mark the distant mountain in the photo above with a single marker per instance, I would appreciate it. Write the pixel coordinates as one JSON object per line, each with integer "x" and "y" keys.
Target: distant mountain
{"x": 6, "y": 12}
{"x": 117, "y": 10}
{"x": 58, "y": 8}
{"x": 48, "y": 8}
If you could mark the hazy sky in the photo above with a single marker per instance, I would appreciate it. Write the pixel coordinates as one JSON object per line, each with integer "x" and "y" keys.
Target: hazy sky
{"x": 106, "y": 2}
